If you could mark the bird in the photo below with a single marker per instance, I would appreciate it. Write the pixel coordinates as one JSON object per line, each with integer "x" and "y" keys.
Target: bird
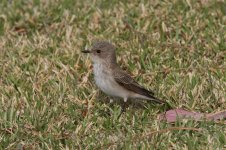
{"x": 111, "y": 79}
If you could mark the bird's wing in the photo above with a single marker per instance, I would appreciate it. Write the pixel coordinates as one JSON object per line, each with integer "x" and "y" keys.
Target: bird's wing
{"x": 130, "y": 84}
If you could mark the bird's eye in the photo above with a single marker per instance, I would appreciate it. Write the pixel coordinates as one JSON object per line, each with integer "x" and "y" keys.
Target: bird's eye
{"x": 98, "y": 51}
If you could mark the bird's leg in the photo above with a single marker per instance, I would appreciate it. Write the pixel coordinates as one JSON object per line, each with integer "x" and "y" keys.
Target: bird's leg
{"x": 124, "y": 104}
{"x": 125, "y": 99}
{"x": 111, "y": 100}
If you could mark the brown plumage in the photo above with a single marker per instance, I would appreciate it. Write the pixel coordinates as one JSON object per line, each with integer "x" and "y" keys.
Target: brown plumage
{"x": 111, "y": 79}
{"x": 130, "y": 84}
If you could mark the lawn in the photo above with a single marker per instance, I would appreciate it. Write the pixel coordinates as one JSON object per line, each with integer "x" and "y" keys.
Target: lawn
{"x": 48, "y": 99}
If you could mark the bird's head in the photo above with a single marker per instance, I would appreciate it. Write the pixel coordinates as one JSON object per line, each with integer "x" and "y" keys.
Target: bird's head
{"x": 102, "y": 51}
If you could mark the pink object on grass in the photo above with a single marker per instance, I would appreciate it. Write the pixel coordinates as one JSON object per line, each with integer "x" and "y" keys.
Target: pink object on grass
{"x": 177, "y": 114}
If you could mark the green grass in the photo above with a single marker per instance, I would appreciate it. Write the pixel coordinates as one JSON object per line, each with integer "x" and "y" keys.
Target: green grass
{"x": 48, "y": 99}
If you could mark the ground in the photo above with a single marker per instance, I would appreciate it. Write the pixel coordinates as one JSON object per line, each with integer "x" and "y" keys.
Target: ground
{"x": 50, "y": 101}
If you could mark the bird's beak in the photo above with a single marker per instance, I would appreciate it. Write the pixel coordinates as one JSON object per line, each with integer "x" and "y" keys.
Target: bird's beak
{"x": 86, "y": 51}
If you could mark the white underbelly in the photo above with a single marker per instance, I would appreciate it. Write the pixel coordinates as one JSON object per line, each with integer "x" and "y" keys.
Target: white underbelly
{"x": 107, "y": 84}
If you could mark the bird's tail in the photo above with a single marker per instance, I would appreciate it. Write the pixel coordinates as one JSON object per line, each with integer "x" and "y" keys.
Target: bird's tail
{"x": 152, "y": 98}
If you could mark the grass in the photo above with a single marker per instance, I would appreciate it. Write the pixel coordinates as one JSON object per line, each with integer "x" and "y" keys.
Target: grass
{"x": 49, "y": 99}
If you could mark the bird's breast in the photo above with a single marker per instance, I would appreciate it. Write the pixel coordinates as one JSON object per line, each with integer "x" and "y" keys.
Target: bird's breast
{"x": 100, "y": 71}
{"x": 105, "y": 81}
{"x": 102, "y": 76}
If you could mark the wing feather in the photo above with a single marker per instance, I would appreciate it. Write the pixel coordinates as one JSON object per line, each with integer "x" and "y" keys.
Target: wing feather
{"x": 130, "y": 84}
{"x": 123, "y": 79}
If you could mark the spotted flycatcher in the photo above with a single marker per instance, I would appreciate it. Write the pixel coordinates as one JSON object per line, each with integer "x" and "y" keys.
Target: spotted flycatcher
{"x": 111, "y": 79}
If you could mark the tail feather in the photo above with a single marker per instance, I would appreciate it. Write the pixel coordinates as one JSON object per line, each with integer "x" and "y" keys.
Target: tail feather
{"x": 151, "y": 96}
{"x": 156, "y": 100}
